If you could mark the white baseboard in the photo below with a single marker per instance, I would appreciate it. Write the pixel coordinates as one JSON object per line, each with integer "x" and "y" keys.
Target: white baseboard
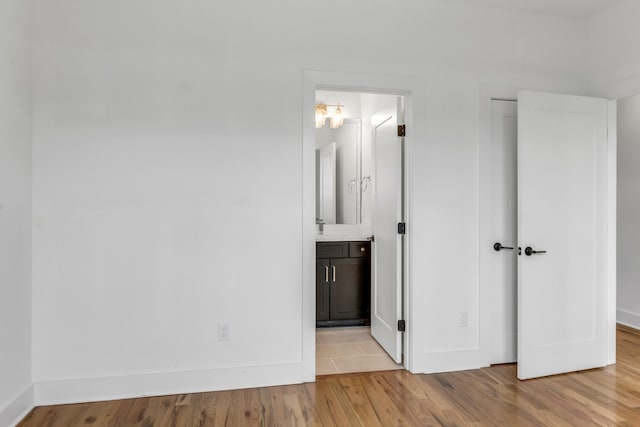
{"x": 160, "y": 384}
{"x": 628, "y": 318}
{"x": 18, "y": 408}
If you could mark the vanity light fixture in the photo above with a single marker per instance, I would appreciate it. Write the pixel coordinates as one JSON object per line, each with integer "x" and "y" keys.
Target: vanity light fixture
{"x": 321, "y": 115}
{"x": 335, "y": 121}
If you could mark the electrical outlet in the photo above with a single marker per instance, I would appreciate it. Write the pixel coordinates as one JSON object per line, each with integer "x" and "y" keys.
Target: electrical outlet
{"x": 464, "y": 319}
{"x": 224, "y": 331}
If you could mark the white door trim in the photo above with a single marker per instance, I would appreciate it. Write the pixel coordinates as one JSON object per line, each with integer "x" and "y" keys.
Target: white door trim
{"x": 612, "y": 235}
{"x": 414, "y": 91}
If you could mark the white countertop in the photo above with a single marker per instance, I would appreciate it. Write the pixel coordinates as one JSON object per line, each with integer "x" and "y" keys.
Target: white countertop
{"x": 337, "y": 238}
{"x": 344, "y": 233}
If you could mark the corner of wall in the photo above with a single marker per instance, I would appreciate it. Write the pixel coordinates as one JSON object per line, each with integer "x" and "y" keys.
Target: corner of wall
{"x": 628, "y": 318}
{"x": 17, "y": 408}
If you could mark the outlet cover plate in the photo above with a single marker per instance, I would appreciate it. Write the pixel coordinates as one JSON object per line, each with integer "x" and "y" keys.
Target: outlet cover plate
{"x": 224, "y": 331}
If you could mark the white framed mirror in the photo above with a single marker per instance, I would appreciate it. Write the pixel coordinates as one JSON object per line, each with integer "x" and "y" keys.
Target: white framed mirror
{"x": 339, "y": 181}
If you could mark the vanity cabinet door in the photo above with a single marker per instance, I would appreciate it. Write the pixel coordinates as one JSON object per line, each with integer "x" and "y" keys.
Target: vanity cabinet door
{"x": 349, "y": 293}
{"x": 323, "y": 289}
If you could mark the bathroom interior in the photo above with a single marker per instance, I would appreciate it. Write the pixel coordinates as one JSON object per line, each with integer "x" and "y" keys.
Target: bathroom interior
{"x": 348, "y": 137}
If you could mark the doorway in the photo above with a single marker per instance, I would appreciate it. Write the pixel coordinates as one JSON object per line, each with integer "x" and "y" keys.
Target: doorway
{"x": 545, "y": 246}
{"x": 359, "y": 252}
{"x": 414, "y": 91}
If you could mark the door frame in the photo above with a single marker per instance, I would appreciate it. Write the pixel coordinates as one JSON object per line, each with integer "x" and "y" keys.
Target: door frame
{"x": 486, "y": 95}
{"x": 414, "y": 91}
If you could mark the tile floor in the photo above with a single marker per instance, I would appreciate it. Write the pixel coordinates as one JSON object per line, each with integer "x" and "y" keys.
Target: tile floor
{"x": 350, "y": 349}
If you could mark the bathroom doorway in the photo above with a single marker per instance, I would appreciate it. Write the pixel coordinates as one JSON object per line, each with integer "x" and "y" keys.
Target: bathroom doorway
{"x": 402, "y": 322}
{"x": 359, "y": 245}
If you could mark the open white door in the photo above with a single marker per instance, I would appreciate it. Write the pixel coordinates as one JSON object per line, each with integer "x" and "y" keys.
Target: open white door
{"x": 386, "y": 286}
{"x": 562, "y": 209}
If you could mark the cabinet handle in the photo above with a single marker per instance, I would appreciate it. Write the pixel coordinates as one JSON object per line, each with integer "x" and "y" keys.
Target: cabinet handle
{"x": 326, "y": 274}
{"x": 333, "y": 268}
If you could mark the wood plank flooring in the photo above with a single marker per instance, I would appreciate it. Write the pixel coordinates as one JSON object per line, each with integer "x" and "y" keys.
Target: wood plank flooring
{"x": 483, "y": 397}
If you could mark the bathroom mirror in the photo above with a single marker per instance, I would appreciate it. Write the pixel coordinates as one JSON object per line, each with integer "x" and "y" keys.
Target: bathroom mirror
{"x": 339, "y": 184}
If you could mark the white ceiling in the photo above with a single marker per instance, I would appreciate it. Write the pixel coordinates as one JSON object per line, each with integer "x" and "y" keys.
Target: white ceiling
{"x": 566, "y": 8}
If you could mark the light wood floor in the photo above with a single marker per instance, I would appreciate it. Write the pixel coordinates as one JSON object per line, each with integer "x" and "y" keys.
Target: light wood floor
{"x": 350, "y": 349}
{"x": 483, "y": 397}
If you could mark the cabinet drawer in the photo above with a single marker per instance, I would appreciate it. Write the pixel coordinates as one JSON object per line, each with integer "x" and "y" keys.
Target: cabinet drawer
{"x": 332, "y": 249}
{"x": 359, "y": 249}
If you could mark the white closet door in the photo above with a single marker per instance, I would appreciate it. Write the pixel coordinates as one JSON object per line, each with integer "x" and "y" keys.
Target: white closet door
{"x": 562, "y": 209}
{"x": 503, "y": 205}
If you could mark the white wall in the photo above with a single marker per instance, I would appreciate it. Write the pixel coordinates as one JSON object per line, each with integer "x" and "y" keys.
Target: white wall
{"x": 614, "y": 57}
{"x": 15, "y": 211}
{"x": 167, "y": 177}
{"x": 628, "y": 211}
{"x": 614, "y": 68}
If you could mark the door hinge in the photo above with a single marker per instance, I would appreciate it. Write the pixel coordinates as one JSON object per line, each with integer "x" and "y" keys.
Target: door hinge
{"x": 402, "y": 228}
{"x": 402, "y": 326}
{"x": 401, "y": 130}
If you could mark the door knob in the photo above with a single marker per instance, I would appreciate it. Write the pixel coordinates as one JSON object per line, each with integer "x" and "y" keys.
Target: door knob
{"x": 528, "y": 251}
{"x": 498, "y": 247}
